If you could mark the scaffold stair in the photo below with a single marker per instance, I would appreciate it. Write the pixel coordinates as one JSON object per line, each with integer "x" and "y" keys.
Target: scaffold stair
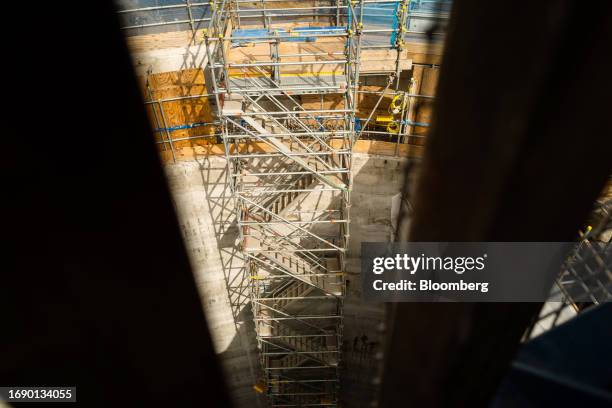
{"x": 321, "y": 349}
{"x": 281, "y": 147}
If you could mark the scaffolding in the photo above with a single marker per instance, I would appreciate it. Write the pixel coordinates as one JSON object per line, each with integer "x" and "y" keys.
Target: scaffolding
{"x": 290, "y": 172}
{"x": 281, "y": 156}
{"x": 290, "y": 167}
{"x": 382, "y": 25}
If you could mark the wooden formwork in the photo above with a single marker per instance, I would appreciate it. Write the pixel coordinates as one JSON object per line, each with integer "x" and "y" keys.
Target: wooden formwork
{"x": 326, "y": 48}
{"x": 427, "y": 82}
{"x": 198, "y": 110}
{"x": 417, "y": 51}
{"x": 370, "y": 147}
{"x": 182, "y": 112}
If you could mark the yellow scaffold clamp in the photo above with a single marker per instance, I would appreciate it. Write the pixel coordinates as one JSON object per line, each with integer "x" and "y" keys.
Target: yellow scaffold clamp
{"x": 393, "y": 127}
{"x": 398, "y": 104}
{"x": 359, "y": 28}
{"x": 259, "y": 387}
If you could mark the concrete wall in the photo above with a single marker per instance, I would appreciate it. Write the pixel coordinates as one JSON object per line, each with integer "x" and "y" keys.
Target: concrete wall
{"x": 377, "y": 181}
{"x": 206, "y": 216}
{"x": 169, "y": 59}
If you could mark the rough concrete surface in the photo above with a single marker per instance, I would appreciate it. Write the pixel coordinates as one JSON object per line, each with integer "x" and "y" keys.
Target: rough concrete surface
{"x": 207, "y": 219}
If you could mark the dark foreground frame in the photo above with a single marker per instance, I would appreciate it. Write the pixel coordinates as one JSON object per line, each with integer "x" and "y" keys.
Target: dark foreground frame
{"x": 519, "y": 151}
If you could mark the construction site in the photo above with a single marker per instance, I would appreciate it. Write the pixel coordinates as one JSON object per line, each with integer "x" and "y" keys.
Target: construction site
{"x": 288, "y": 132}
{"x": 277, "y": 122}
{"x": 314, "y": 203}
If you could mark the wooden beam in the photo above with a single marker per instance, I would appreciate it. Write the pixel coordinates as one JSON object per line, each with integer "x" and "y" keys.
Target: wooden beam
{"x": 372, "y": 147}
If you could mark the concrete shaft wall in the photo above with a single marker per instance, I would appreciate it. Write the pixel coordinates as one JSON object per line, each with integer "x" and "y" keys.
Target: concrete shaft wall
{"x": 207, "y": 219}
{"x": 204, "y": 206}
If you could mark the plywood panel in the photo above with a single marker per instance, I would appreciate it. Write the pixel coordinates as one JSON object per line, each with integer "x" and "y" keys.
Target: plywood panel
{"x": 424, "y": 53}
{"x": 383, "y": 60}
{"x": 417, "y": 76}
{"x": 150, "y": 42}
{"x": 372, "y": 147}
{"x": 424, "y": 110}
{"x": 418, "y": 51}
{"x": 366, "y": 102}
{"x": 181, "y": 112}
{"x": 315, "y": 102}
{"x": 328, "y": 47}
{"x": 186, "y": 77}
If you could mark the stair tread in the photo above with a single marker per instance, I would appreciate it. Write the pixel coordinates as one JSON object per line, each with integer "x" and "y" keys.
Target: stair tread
{"x": 283, "y": 148}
